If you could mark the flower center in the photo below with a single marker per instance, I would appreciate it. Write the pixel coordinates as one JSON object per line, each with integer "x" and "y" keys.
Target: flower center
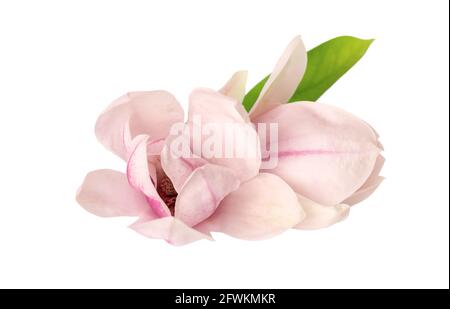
{"x": 166, "y": 191}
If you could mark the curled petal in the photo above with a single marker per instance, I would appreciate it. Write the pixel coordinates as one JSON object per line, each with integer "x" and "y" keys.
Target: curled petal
{"x": 324, "y": 153}
{"x": 203, "y": 191}
{"x": 107, "y": 193}
{"x": 320, "y": 216}
{"x": 170, "y": 229}
{"x": 371, "y": 184}
{"x": 154, "y": 149}
{"x": 379, "y": 144}
{"x": 139, "y": 176}
{"x": 235, "y": 87}
{"x": 364, "y": 192}
{"x": 261, "y": 208}
{"x": 151, "y": 113}
{"x": 373, "y": 177}
{"x": 283, "y": 80}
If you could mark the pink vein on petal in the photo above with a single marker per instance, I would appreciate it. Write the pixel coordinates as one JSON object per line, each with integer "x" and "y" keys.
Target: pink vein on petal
{"x": 307, "y": 152}
{"x": 298, "y": 153}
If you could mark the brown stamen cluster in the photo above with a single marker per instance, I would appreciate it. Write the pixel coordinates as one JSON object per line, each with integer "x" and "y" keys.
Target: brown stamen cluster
{"x": 167, "y": 192}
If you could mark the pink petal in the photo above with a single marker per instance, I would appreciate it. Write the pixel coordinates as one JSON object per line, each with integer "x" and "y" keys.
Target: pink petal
{"x": 373, "y": 177}
{"x": 235, "y": 87}
{"x": 320, "y": 216}
{"x": 139, "y": 177}
{"x": 284, "y": 79}
{"x": 261, "y": 208}
{"x": 364, "y": 192}
{"x": 324, "y": 153}
{"x": 379, "y": 144}
{"x": 170, "y": 229}
{"x": 106, "y": 193}
{"x": 371, "y": 184}
{"x": 203, "y": 191}
{"x": 179, "y": 168}
{"x": 151, "y": 113}
{"x": 154, "y": 147}
{"x": 213, "y": 108}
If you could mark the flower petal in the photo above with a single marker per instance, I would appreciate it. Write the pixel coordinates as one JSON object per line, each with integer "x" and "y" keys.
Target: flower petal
{"x": 284, "y": 79}
{"x": 170, "y": 229}
{"x": 138, "y": 173}
{"x": 371, "y": 184}
{"x": 373, "y": 177}
{"x": 154, "y": 147}
{"x": 106, "y": 193}
{"x": 213, "y": 106}
{"x": 178, "y": 167}
{"x": 203, "y": 191}
{"x": 261, "y": 208}
{"x": 241, "y": 152}
{"x": 320, "y": 216}
{"x": 364, "y": 192}
{"x": 235, "y": 87}
{"x": 150, "y": 112}
{"x": 324, "y": 153}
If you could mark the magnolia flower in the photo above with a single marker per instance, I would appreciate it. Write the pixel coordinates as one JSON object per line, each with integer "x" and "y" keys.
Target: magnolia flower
{"x": 182, "y": 199}
{"x": 327, "y": 161}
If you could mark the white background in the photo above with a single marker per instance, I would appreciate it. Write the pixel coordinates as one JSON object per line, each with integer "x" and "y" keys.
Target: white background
{"x": 62, "y": 62}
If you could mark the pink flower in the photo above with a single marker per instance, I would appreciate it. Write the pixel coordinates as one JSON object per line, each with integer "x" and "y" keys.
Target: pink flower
{"x": 327, "y": 160}
{"x": 177, "y": 199}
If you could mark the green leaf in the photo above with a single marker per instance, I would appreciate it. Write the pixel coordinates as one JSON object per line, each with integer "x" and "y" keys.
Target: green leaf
{"x": 326, "y": 64}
